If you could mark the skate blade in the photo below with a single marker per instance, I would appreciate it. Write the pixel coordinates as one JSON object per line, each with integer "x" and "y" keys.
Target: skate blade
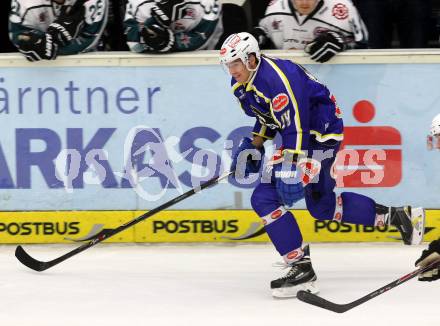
{"x": 290, "y": 292}
{"x": 418, "y": 222}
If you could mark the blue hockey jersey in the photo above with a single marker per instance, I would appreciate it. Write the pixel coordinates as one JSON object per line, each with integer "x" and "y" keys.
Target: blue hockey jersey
{"x": 286, "y": 98}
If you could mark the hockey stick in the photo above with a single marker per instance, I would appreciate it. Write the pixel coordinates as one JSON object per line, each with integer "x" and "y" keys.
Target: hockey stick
{"x": 40, "y": 266}
{"x": 340, "y": 308}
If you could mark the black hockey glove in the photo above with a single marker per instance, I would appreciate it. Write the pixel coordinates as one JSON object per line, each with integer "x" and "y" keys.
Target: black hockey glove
{"x": 260, "y": 35}
{"x": 37, "y": 46}
{"x": 160, "y": 16}
{"x": 68, "y": 24}
{"x": 325, "y": 46}
{"x": 156, "y": 32}
{"x": 166, "y": 7}
{"x": 428, "y": 256}
{"x": 158, "y": 38}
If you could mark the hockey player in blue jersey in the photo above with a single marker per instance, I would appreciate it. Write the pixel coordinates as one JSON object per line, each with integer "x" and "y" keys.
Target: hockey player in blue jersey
{"x": 286, "y": 99}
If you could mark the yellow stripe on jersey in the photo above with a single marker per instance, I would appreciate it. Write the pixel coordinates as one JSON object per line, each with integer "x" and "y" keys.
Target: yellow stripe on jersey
{"x": 262, "y": 136}
{"x": 297, "y": 119}
{"x": 262, "y": 133}
{"x": 260, "y": 94}
{"x": 293, "y": 151}
{"x": 251, "y": 87}
{"x": 235, "y": 86}
{"x": 322, "y": 138}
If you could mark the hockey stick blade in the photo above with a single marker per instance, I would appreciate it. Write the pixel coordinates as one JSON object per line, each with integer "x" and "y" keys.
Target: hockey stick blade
{"x": 40, "y": 266}
{"x": 316, "y": 300}
{"x": 29, "y": 261}
{"x": 104, "y": 234}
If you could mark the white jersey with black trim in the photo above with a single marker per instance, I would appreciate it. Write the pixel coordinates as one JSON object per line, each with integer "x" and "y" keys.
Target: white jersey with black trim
{"x": 289, "y": 30}
{"x": 39, "y": 14}
{"x": 197, "y": 24}
{"x": 35, "y": 14}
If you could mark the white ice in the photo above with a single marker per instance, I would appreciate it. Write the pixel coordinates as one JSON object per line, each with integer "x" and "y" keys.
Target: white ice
{"x": 209, "y": 285}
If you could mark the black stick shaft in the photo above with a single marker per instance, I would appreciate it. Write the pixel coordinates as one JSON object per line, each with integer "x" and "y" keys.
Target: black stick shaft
{"x": 340, "y": 308}
{"x": 39, "y": 266}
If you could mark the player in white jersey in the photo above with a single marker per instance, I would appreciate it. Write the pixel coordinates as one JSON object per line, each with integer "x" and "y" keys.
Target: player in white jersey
{"x": 433, "y": 139}
{"x": 160, "y": 26}
{"x": 433, "y": 252}
{"x": 43, "y": 29}
{"x": 321, "y": 27}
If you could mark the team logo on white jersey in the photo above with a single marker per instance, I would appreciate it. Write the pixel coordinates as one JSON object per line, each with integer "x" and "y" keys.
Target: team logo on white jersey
{"x": 42, "y": 17}
{"x": 276, "y": 25}
{"x": 340, "y": 11}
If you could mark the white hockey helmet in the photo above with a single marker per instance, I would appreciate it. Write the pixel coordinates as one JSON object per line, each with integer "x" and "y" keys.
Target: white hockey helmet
{"x": 435, "y": 126}
{"x": 434, "y": 133}
{"x": 239, "y": 46}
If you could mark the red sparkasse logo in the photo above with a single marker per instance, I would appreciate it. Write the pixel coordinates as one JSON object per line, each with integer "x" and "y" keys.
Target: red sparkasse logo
{"x": 370, "y": 156}
{"x": 280, "y": 101}
{"x": 223, "y": 51}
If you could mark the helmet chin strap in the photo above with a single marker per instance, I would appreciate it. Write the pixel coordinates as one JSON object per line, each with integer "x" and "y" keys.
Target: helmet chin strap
{"x": 253, "y": 71}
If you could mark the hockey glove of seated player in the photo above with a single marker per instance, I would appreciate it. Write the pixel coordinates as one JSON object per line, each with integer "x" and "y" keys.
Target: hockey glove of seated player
{"x": 156, "y": 32}
{"x": 288, "y": 182}
{"x": 428, "y": 256}
{"x": 68, "y": 24}
{"x": 325, "y": 46}
{"x": 37, "y": 46}
{"x": 260, "y": 35}
{"x": 247, "y": 158}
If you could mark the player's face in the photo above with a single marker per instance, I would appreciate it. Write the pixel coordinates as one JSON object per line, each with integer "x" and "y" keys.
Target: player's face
{"x": 433, "y": 142}
{"x": 239, "y": 71}
{"x": 305, "y": 7}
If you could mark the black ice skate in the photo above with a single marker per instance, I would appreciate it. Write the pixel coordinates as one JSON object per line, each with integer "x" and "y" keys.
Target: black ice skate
{"x": 410, "y": 222}
{"x": 301, "y": 276}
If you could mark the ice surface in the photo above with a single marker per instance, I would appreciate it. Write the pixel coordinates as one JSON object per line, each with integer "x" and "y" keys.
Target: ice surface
{"x": 209, "y": 285}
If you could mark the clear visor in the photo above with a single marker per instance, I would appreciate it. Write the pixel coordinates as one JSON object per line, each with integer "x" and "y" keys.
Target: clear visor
{"x": 227, "y": 66}
{"x": 231, "y": 66}
{"x": 433, "y": 142}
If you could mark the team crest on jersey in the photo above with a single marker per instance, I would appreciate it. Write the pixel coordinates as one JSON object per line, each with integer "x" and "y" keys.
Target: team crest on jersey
{"x": 276, "y": 25}
{"x": 42, "y": 17}
{"x": 185, "y": 40}
{"x": 340, "y": 11}
{"x": 280, "y": 102}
